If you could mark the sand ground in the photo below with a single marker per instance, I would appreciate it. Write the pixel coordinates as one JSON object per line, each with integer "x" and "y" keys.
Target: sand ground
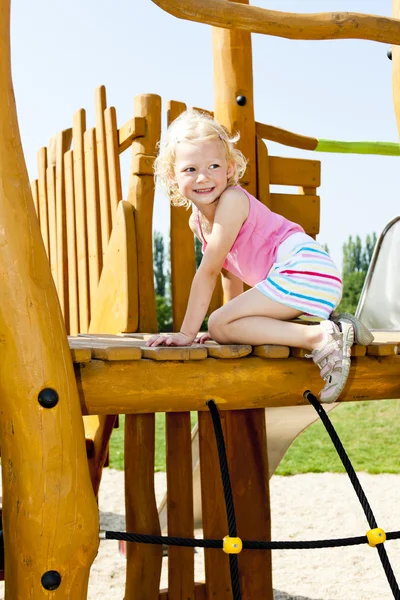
{"x": 304, "y": 507}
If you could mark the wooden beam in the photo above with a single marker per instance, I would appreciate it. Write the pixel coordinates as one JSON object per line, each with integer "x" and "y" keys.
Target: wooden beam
{"x": 257, "y": 382}
{"x": 287, "y": 138}
{"x": 135, "y": 127}
{"x": 293, "y": 26}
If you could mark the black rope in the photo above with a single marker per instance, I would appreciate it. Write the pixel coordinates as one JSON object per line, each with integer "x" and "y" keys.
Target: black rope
{"x": 247, "y": 545}
{"x": 357, "y": 488}
{"x": 284, "y": 545}
{"x": 226, "y": 484}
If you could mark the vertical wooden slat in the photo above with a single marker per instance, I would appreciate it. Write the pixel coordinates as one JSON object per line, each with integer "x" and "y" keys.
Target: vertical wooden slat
{"x": 183, "y": 261}
{"x": 263, "y": 189}
{"x": 79, "y": 126}
{"x": 245, "y": 430}
{"x": 43, "y": 210}
{"x": 141, "y": 195}
{"x": 246, "y": 447}
{"x": 104, "y": 189}
{"x": 63, "y": 143}
{"x": 51, "y": 201}
{"x": 114, "y": 170}
{"x": 73, "y": 300}
{"x": 180, "y": 505}
{"x": 215, "y": 525}
{"x": 95, "y": 255}
{"x": 35, "y": 196}
{"x": 143, "y": 564}
{"x": 310, "y": 191}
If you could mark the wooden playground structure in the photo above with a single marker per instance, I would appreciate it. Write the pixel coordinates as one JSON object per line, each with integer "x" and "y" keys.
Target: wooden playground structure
{"x": 76, "y": 260}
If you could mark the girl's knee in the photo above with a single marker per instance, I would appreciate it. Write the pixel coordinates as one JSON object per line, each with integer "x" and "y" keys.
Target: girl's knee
{"x": 216, "y": 327}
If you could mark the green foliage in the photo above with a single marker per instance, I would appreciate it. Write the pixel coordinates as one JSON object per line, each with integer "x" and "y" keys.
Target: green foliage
{"x": 356, "y": 260}
{"x": 158, "y": 264}
{"x": 164, "y": 314}
{"x": 369, "y": 432}
{"x": 162, "y": 283}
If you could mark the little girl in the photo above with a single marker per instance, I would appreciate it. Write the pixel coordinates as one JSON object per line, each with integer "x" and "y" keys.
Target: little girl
{"x": 290, "y": 274}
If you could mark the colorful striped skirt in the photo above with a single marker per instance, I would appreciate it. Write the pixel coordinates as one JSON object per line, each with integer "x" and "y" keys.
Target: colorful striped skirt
{"x": 306, "y": 280}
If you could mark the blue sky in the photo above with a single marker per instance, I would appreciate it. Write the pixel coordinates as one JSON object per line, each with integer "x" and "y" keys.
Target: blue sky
{"x": 330, "y": 89}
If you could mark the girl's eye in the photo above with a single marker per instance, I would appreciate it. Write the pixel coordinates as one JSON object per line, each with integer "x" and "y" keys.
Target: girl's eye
{"x": 189, "y": 170}
{"x": 214, "y": 166}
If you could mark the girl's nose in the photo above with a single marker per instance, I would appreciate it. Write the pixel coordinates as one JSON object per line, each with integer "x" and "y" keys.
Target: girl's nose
{"x": 201, "y": 177}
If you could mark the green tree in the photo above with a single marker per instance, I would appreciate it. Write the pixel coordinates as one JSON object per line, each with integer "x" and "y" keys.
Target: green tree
{"x": 356, "y": 259}
{"x": 158, "y": 264}
{"x": 161, "y": 283}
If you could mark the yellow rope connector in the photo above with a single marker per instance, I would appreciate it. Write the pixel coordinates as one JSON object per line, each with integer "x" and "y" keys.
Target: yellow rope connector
{"x": 376, "y": 536}
{"x": 232, "y": 545}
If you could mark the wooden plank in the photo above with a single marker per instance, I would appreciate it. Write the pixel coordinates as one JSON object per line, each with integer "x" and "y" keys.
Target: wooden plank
{"x": 114, "y": 170}
{"x": 174, "y": 353}
{"x": 304, "y": 210}
{"x": 81, "y": 355}
{"x": 63, "y": 143}
{"x": 43, "y": 209}
{"x": 263, "y": 175}
{"x": 357, "y": 350}
{"x": 95, "y": 257}
{"x": 73, "y": 296}
{"x": 295, "y": 171}
{"x": 141, "y": 195}
{"x": 35, "y": 196}
{"x": 183, "y": 261}
{"x": 116, "y": 304}
{"x": 114, "y": 352}
{"x": 51, "y": 203}
{"x": 102, "y": 163}
{"x": 135, "y": 127}
{"x": 215, "y": 525}
{"x": 180, "y": 505}
{"x": 141, "y": 508}
{"x": 79, "y": 126}
{"x": 228, "y": 350}
{"x": 382, "y": 349}
{"x": 269, "y": 351}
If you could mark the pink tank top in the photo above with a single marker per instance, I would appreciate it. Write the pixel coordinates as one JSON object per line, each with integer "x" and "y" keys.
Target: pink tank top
{"x": 254, "y": 251}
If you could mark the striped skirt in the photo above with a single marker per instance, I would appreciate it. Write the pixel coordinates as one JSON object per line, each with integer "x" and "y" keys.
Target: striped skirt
{"x": 306, "y": 280}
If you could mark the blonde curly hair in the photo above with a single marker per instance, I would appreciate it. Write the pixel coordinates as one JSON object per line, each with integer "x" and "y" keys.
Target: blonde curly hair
{"x": 194, "y": 126}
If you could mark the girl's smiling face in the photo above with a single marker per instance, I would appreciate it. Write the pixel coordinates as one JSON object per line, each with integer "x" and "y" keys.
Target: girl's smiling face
{"x": 201, "y": 170}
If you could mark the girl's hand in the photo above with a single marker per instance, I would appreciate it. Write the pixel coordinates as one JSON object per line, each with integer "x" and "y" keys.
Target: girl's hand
{"x": 202, "y": 338}
{"x": 175, "y": 339}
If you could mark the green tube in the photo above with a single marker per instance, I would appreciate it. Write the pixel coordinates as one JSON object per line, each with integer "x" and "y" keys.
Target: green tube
{"x": 385, "y": 148}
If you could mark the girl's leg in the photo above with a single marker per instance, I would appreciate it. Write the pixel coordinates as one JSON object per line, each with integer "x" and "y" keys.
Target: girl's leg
{"x": 253, "y": 318}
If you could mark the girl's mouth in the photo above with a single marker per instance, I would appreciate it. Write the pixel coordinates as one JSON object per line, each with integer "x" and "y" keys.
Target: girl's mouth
{"x": 204, "y": 190}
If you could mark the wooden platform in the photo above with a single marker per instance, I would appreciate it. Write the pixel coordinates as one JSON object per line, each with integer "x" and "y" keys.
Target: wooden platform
{"x": 122, "y": 372}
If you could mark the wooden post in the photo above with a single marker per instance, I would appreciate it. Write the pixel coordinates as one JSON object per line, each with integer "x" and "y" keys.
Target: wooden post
{"x": 50, "y": 517}
{"x": 141, "y": 195}
{"x": 245, "y": 430}
{"x": 396, "y": 67}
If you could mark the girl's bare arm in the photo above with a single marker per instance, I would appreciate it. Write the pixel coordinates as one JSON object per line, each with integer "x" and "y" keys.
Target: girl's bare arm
{"x": 232, "y": 285}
